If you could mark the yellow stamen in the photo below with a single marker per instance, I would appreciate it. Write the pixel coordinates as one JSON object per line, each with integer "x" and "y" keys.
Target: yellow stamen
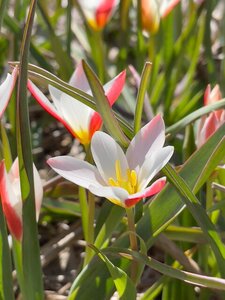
{"x": 133, "y": 178}
{"x": 112, "y": 182}
{"x": 129, "y": 182}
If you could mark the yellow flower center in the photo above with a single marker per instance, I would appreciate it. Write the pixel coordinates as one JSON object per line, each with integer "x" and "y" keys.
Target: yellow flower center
{"x": 83, "y": 136}
{"x": 129, "y": 183}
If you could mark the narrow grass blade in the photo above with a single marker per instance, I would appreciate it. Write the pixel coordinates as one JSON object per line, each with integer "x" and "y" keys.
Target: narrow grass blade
{"x": 141, "y": 96}
{"x": 192, "y": 278}
{"x": 104, "y": 108}
{"x": 123, "y": 283}
{"x": 3, "y": 5}
{"x": 194, "y": 116}
{"x": 30, "y": 245}
{"x": 200, "y": 216}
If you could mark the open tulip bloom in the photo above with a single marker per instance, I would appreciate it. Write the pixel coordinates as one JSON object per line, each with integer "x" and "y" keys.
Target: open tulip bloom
{"x": 11, "y": 197}
{"x": 98, "y": 12}
{"x": 6, "y": 89}
{"x": 121, "y": 178}
{"x": 81, "y": 120}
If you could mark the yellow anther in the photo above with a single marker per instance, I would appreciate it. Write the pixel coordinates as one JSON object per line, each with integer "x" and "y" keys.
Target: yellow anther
{"x": 112, "y": 182}
{"x": 128, "y": 182}
{"x": 133, "y": 178}
{"x": 118, "y": 171}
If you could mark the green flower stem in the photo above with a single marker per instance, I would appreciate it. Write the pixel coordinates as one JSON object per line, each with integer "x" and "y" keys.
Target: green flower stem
{"x": 87, "y": 214}
{"x": 133, "y": 242}
{"x": 18, "y": 260}
{"x": 90, "y": 232}
{"x": 98, "y": 53}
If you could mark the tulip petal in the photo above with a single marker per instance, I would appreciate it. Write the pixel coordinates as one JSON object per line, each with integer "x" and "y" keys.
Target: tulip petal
{"x": 153, "y": 189}
{"x": 79, "y": 79}
{"x": 77, "y": 115}
{"x": 87, "y": 4}
{"x": 116, "y": 195}
{"x": 114, "y": 87}
{"x": 212, "y": 96}
{"x": 38, "y": 191}
{"x": 77, "y": 171}
{"x": 11, "y": 204}
{"x": 166, "y": 6}
{"x": 104, "y": 11}
{"x": 95, "y": 123}
{"x": 6, "y": 89}
{"x": 149, "y": 139}
{"x": 153, "y": 164}
{"x": 106, "y": 152}
{"x": 47, "y": 105}
{"x": 209, "y": 126}
{"x": 14, "y": 177}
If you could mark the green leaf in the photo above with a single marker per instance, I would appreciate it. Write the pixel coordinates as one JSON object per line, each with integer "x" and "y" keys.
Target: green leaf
{"x": 111, "y": 222}
{"x": 30, "y": 244}
{"x": 65, "y": 64}
{"x": 3, "y": 5}
{"x": 200, "y": 215}
{"x": 194, "y": 116}
{"x": 103, "y": 107}
{"x": 192, "y": 278}
{"x": 123, "y": 283}
{"x": 141, "y": 96}
{"x": 62, "y": 207}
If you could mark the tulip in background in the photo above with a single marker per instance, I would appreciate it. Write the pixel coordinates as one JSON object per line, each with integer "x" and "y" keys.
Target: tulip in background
{"x": 208, "y": 125}
{"x": 153, "y": 10}
{"x": 98, "y": 12}
{"x": 121, "y": 178}
{"x": 78, "y": 118}
{"x": 11, "y": 197}
{"x": 6, "y": 89}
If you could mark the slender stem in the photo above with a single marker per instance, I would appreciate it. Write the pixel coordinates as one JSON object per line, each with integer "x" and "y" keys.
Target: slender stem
{"x": 98, "y": 53}
{"x": 88, "y": 214}
{"x": 18, "y": 260}
{"x": 90, "y": 232}
{"x": 133, "y": 241}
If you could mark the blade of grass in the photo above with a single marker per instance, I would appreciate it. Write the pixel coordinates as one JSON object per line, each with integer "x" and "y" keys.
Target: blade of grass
{"x": 141, "y": 96}
{"x": 65, "y": 65}
{"x": 194, "y": 116}
{"x": 199, "y": 214}
{"x": 103, "y": 107}
{"x": 192, "y": 278}
{"x": 30, "y": 245}
{"x": 3, "y": 5}
{"x": 14, "y": 26}
{"x": 125, "y": 287}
